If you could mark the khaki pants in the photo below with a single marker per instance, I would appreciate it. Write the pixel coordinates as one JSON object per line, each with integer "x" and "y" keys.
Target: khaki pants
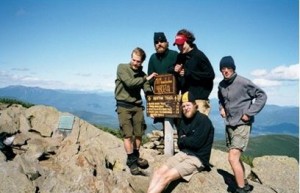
{"x": 186, "y": 165}
{"x": 203, "y": 106}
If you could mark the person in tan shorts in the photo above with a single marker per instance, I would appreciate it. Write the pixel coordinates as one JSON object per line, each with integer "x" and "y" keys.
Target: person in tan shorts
{"x": 240, "y": 100}
{"x": 195, "y": 139}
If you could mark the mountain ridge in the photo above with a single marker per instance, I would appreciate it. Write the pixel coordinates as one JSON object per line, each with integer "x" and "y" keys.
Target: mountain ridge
{"x": 272, "y": 144}
{"x": 99, "y": 108}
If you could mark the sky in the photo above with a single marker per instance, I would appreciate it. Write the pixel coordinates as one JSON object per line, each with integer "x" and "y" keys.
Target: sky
{"x": 78, "y": 44}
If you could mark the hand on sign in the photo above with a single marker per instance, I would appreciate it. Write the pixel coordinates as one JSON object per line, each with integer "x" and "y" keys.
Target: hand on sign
{"x": 153, "y": 75}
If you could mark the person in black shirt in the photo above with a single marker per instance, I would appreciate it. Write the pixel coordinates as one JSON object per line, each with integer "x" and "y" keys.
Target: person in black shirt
{"x": 194, "y": 70}
{"x": 195, "y": 139}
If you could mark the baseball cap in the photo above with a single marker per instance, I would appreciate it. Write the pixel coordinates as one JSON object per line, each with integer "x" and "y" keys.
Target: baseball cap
{"x": 188, "y": 97}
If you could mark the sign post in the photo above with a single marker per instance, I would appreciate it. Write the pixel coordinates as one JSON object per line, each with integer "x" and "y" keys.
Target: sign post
{"x": 165, "y": 103}
{"x": 168, "y": 136}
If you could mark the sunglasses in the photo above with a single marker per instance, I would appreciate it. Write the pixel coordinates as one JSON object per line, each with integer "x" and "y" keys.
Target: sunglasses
{"x": 160, "y": 41}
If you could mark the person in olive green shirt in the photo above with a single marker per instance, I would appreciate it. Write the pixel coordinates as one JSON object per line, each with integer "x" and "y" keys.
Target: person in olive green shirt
{"x": 129, "y": 82}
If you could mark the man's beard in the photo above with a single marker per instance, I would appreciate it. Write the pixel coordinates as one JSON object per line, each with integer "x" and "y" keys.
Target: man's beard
{"x": 161, "y": 49}
{"x": 190, "y": 113}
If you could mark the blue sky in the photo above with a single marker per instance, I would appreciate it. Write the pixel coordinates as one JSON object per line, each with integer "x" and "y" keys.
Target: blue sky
{"x": 77, "y": 44}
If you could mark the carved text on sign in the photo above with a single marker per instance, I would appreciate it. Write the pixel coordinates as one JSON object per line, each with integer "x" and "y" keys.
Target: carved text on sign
{"x": 163, "y": 106}
{"x": 165, "y": 84}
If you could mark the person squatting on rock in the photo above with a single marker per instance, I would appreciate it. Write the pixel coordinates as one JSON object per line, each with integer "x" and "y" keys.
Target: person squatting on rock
{"x": 193, "y": 70}
{"x": 240, "y": 100}
{"x": 131, "y": 79}
{"x": 195, "y": 139}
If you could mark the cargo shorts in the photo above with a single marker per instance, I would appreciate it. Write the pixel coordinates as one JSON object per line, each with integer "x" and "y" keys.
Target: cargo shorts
{"x": 186, "y": 165}
{"x": 238, "y": 137}
{"x": 131, "y": 121}
{"x": 203, "y": 106}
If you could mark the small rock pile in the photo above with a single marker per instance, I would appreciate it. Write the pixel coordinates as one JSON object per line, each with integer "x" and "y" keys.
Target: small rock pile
{"x": 156, "y": 141}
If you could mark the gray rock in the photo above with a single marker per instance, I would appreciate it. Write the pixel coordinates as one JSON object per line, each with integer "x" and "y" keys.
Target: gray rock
{"x": 88, "y": 159}
{"x": 281, "y": 173}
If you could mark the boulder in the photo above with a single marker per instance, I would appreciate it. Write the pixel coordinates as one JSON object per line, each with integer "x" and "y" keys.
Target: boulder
{"x": 42, "y": 158}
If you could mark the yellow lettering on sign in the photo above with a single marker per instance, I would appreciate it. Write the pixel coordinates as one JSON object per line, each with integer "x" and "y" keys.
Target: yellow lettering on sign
{"x": 162, "y": 89}
{"x": 165, "y": 84}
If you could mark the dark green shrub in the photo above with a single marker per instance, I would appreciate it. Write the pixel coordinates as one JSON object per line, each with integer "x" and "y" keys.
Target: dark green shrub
{"x": 117, "y": 133}
{"x": 247, "y": 159}
{"x": 11, "y": 101}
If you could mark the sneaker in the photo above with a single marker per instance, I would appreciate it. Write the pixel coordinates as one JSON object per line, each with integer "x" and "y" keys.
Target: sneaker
{"x": 142, "y": 163}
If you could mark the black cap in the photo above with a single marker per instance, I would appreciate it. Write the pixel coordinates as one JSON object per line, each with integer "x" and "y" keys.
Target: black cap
{"x": 160, "y": 36}
{"x": 227, "y": 61}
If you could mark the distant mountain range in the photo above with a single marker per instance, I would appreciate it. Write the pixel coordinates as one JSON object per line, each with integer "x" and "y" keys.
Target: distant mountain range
{"x": 268, "y": 145}
{"x": 99, "y": 108}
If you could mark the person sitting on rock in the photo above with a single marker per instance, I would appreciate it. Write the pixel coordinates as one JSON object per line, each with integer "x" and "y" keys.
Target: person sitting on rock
{"x": 195, "y": 139}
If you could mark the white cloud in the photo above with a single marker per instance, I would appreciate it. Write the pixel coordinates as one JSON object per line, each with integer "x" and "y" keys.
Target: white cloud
{"x": 20, "y": 69}
{"x": 84, "y": 82}
{"x": 83, "y": 74}
{"x": 259, "y": 73}
{"x": 287, "y": 73}
{"x": 217, "y": 80}
{"x": 278, "y": 76}
{"x": 280, "y": 83}
{"x": 266, "y": 83}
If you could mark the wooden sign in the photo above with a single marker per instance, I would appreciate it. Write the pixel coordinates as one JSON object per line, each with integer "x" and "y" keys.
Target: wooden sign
{"x": 163, "y": 106}
{"x": 165, "y": 84}
{"x": 165, "y": 103}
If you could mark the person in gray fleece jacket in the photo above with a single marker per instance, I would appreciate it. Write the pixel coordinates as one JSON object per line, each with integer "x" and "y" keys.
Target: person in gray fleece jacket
{"x": 240, "y": 100}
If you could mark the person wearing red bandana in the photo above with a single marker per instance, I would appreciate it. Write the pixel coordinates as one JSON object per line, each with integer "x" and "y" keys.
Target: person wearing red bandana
{"x": 193, "y": 70}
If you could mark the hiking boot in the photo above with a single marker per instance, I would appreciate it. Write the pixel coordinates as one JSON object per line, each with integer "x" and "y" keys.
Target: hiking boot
{"x": 134, "y": 169}
{"x": 246, "y": 189}
{"x": 142, "y": 163}
{"x": 132, "y": 164}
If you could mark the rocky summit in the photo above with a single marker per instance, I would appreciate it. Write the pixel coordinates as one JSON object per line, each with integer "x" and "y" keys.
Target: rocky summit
{"x": 47, "y": 151}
